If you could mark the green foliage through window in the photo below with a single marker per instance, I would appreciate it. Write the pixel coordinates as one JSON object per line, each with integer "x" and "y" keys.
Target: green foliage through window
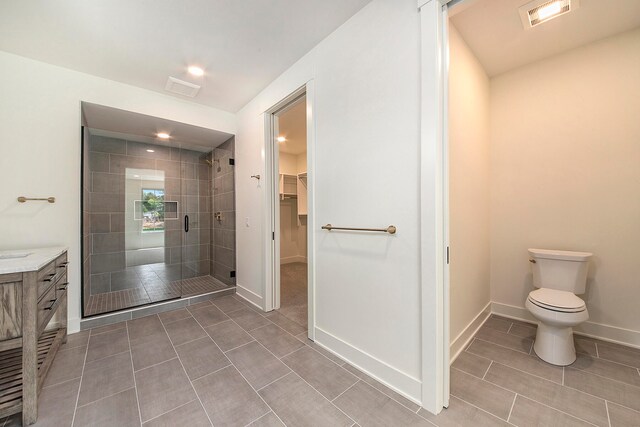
{"x": 152, "y": 209}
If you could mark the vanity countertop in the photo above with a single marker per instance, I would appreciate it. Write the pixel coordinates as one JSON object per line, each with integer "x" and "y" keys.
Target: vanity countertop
{"x": 15, "y": 261}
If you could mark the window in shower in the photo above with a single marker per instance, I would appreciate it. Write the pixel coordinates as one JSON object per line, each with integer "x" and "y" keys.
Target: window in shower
{"x": 152, "y": 210}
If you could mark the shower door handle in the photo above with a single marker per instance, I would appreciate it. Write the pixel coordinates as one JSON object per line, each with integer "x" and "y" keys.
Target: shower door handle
{"x": 186, "y": 223}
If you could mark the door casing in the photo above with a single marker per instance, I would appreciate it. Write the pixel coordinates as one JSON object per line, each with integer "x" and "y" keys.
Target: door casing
{"x": 272, "y": 222}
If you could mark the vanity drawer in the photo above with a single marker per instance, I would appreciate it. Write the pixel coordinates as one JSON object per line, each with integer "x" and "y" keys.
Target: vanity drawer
{"x": 46, "y": 277}
{"x": 55, "y": 273}
{"x": 61, "y": 261}
{"x": 61, "y": 285}
{"x": 45, "y": 307}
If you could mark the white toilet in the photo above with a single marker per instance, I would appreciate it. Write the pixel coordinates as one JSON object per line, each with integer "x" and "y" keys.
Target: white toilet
{"x": 558, "y": 277}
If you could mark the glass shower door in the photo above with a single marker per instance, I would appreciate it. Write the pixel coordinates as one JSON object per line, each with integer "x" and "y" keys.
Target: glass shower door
{"x": 149, "y": 229}
{"x": 132, "y": 238}
{"x": 196, "y": 214}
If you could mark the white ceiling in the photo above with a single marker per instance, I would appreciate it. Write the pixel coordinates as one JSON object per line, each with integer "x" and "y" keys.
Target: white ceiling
{"x": 292, "y": 124}
{"x": 494, "y": 32}
{"x": 243, "y": 45}
{"x": 115, "y": 123}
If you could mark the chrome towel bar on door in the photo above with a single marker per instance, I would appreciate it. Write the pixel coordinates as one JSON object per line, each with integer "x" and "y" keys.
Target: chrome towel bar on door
{"x": 390, "y": 229}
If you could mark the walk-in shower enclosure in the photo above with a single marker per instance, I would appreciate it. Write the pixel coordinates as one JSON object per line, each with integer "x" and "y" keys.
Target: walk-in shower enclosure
{"x": 158, "y": 220}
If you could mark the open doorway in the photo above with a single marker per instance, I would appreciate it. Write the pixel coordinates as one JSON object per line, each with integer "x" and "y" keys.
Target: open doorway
{"x": 289, "y": 268}
{"x": 537, "y": 119}
{"x": 292, "y": 200}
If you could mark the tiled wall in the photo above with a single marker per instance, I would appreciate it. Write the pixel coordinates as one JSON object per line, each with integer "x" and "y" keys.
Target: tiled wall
{"x": 187, "y": 180}
{"x": 223, "y": 243}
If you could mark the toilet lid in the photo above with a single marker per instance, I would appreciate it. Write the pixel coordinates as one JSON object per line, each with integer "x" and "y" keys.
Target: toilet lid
{"x": 553, "y": 299}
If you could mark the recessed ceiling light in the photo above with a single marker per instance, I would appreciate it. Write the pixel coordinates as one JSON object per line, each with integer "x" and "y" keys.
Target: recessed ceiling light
{"x": 540, "y": 11}
{"x": 549, "y": 10}
{"x": 281, "y": 139}
{"x": 163, "y": 135}
{"x": 151, "y": 151}
{"x": 196, "y": 71}
{"x": 136, "y": 176}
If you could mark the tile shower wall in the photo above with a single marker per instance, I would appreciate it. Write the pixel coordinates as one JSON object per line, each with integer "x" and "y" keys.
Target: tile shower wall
{"x": 86, "y": 214}
{"x": 223, "y": 243}
{"x": 187, "y": 181}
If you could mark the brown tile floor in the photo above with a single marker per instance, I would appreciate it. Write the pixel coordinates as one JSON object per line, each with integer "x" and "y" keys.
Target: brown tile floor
{"x": 219, "y": 362}
{"x": 222, "y": 362}
{"x": 293, "y": 292}
{"x": 498, "y": 380}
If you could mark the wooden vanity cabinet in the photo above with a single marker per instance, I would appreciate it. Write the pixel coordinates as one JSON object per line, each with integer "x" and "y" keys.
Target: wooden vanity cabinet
{"x": 29, "y": 340}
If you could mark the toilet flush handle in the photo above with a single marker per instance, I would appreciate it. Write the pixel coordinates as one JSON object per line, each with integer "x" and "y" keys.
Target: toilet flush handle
{"x": 533, "y": 261}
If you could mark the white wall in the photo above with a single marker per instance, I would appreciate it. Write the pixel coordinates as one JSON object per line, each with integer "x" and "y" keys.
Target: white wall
{"x": 40, "y": 150}
{"x": 565, "y": 174}
{"x": 288, "y": 163}
{"x": 468, "y": 188}
{"x": 301, "y": 162}
{"x": 367, "y": 173}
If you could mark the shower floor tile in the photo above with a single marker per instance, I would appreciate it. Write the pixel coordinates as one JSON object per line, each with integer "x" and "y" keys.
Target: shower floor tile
{"x": 150, "y": 291}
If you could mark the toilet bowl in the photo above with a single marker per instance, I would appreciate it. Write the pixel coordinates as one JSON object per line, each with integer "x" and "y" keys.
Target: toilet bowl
{"x": 557, "y": 313}
{"x": 557, "y": 276}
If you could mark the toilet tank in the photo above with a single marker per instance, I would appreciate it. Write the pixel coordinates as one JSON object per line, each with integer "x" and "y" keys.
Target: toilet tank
{"x": 561, "y": 270}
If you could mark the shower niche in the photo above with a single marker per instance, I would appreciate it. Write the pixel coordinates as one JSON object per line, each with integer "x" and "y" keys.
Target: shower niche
{"x": 158, "y": 215}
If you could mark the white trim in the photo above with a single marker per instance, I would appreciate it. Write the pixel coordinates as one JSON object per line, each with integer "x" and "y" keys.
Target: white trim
{"x": 396, "y": 380}
{"x": 512, "y": 312}
{"x": 434, "y": 314}
{"x": 250, "y": 296}
{"x": 600, "y": 331}
{"x": 271, "y": 300}
{"x": 73, "y": 325}
{"x": 445, "y": 208}
{"x": 467, "y": 334}
{"x": 311, "y": 204}
{"x": 271, "y": 209}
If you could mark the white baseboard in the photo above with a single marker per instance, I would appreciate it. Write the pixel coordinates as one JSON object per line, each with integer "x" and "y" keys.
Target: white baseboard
{"x": 461, "y": 341}
{"x": 73, "y": 325}
{"x": 292, "y": 259}
{"x": 406, "y": 385}
{"x": 590, "y": 329}
{"x": 250, "y": 296}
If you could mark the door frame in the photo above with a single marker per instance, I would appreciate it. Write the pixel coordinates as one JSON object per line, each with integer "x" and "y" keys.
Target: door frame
{"x": 271, "y": 234}
{"x": 434, "y": 208}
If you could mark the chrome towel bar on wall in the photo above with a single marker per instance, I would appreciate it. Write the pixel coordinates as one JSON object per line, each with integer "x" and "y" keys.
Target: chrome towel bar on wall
{"x": 390, "y": 229}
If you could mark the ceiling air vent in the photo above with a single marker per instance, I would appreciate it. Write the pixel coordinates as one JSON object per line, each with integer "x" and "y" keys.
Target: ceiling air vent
{"x": 181, "y": 87}
{"x": 541, "y": 11}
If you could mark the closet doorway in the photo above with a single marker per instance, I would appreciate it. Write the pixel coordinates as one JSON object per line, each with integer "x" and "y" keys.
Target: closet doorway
{"x": 291, "y": 144}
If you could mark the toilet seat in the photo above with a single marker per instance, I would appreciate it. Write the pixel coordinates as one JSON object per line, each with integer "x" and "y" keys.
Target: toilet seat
{"x": 555, "y": 300}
